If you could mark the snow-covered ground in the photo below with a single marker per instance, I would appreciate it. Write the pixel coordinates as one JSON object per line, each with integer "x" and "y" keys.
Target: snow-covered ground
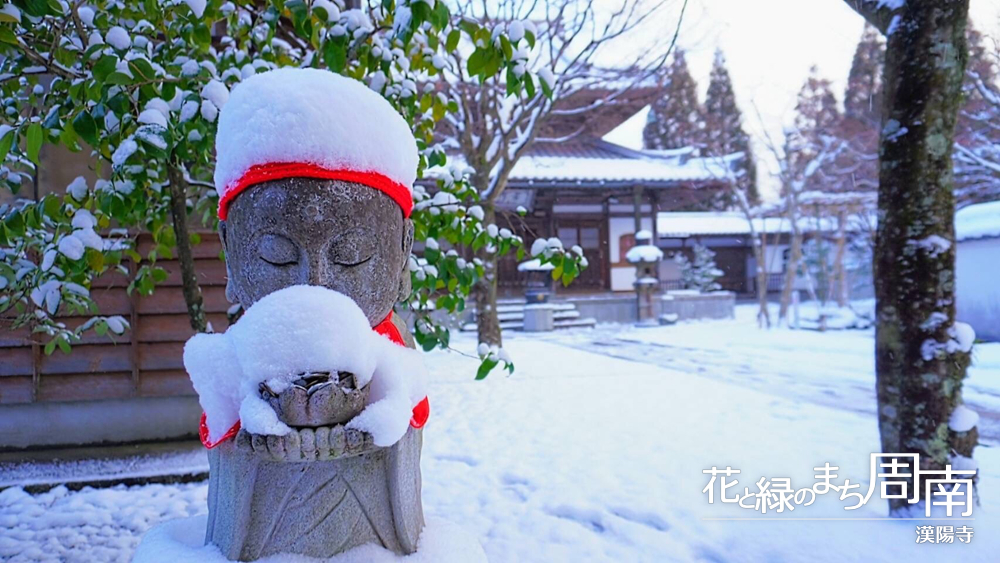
{"x": 594, "y": 451}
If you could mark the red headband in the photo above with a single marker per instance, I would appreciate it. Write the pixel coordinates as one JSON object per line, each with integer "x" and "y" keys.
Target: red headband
{"x": 278, "y": 170}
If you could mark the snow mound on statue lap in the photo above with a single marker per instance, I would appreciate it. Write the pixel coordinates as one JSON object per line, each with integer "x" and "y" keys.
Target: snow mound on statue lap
{"x": 184, "y": 540}
{"x": 336, "y": 123}
{"x": 296, "y": 330}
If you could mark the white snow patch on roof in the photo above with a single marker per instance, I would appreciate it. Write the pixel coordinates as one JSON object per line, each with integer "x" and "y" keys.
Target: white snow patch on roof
{"x": 978, "y": 221}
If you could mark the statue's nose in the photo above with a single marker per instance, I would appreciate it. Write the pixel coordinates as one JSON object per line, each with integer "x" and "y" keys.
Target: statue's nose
{"x": 318, "y": 272}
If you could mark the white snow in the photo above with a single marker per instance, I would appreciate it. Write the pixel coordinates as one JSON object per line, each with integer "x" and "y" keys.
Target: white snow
{"x": 332, "y": 11}
{"x": 216, "y": 92}
{"x": 978, "y": 221}
{"x": 643, "y": 253}
{"x": 12, "y": 11}
{"x": 255, "y": 122}
{"x": 593, "y": 451}
{"x": 118, "y": 38}
{"x": 83, "y": 219}
{"x": 86, "y": 14}
{"x": 153, "y": 117}
{"x": 77, "y": 189}
{"x": 71, "y": 247}
{"x": 190, "y": 68}
{"x": 963, "y": 419}
{"x": 681, "y": 224}
{"x": 184, "y": 540}
{"x": 297, "y": 330}
{"x": 209, "y": 111}
{"x": 125, "y": 150}
{"x": 197, "y": 7}
{"x": 535, "y": 265}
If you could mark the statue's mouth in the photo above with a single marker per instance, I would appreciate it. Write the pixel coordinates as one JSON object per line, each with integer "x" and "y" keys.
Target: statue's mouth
{"x": 317, "y": 399}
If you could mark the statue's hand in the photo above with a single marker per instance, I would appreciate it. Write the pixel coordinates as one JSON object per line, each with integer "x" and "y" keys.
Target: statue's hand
{"x": 308, "y": 444}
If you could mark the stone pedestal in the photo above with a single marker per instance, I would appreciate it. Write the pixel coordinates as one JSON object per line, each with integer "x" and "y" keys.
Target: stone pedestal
{"x": 539, "y": 318}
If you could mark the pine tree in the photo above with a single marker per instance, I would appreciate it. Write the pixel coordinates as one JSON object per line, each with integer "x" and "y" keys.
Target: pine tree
{"x": 863, "y": 113}
{"x": 817, "y": 120}
{"x": 863, "y": 96}
{"x": 675, "y": 119}
{"x": 701, "y": 272}
{"x": 724, "y": 133}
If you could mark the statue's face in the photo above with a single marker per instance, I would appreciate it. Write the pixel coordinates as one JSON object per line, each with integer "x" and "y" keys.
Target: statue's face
{"x": 340, "y": 235}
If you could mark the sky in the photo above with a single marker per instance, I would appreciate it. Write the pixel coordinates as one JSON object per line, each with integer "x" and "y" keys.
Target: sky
{"x": 770, "y": 46}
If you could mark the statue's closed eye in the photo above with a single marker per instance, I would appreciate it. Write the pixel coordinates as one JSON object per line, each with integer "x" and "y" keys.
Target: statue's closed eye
{"x": 277, "y": 250}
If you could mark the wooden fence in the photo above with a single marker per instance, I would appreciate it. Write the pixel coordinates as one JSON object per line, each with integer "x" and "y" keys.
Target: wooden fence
{"x": 144, "y": 362}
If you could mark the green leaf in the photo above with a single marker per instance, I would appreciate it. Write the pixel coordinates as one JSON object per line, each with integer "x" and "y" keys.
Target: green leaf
{"x": 34, "y": 137}
{"x": 485, "y": 368}
{"x": 63, "y": 345}
{"x": 36, "y": 8}
{"x": 86, "y": 127}
{"x": 7, "y": 18}
{"x": 452, "y": 42}
{"x": 5, "y": 143}
{"x": 105, "y": 66}
{"x": 203, "y": 36}
{"x": 7, "y": 36}
{"x": 335, "y": 53}
{"x": 50, "y": 347}
{"x": 557, "y": 272}
{"x": 15, "y": 224}
{"x": 476, "y": 62}
{"x": 119, "y": 78}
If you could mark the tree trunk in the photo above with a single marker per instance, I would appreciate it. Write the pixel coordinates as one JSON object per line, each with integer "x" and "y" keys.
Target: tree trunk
{"x": 177, "y": 189}
{"x": 791, "y": 269}
{"x": 838, "y": 284}
{"x": 760, "y": 256}
{"x": 759, "y": 244}
{"x": 919, "y": 382}
{"x": 487, "y": 320}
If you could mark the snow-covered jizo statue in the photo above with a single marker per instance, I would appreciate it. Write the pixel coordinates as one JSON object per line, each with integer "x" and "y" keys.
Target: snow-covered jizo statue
{"x": 315, "y": 173}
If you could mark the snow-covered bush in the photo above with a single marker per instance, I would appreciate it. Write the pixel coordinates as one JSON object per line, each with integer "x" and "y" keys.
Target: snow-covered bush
{"x": 701, "y": 272}
{"x": 139, "y": 85}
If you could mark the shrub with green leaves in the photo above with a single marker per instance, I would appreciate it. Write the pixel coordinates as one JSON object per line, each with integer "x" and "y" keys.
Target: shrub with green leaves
{"x": 138, "y": 86}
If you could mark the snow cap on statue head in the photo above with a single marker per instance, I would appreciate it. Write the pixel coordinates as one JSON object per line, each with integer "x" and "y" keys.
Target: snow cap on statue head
{"x": 310, "y": 123}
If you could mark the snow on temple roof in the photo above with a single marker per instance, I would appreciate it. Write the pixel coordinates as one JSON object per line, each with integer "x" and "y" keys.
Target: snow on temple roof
{"x": 596, "y": 163}
{"x": 978, "y": 221}
{"x": 709, "y": 223}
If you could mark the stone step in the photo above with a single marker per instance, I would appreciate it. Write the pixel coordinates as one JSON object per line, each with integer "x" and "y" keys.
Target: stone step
{"x": 575, "y": 322}
{"x": 557, "y": 314}
{"x": 518, "y": 307}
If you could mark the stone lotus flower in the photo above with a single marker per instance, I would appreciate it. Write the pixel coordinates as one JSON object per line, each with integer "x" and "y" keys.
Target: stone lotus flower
{"x": 317, "y": 399}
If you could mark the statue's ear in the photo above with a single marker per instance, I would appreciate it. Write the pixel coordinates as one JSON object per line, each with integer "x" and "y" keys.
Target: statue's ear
{"x": 230, "y": 290}
{"x": 405, "y": 285}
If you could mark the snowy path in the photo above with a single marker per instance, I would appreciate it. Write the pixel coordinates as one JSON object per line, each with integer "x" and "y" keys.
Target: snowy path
{"x": 583, "y": 457}
{"x": 834, "y": 369}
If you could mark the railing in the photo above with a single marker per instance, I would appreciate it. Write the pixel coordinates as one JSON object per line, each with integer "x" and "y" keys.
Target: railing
{"x": 775, "y": 282}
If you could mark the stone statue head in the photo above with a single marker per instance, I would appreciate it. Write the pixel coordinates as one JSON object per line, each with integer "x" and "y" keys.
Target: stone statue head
{"x": 337, "y": 234}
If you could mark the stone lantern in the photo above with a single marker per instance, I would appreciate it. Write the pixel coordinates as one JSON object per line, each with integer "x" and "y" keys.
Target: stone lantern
{"x": 539, "y": 316}
{"x": 646, "y": 257}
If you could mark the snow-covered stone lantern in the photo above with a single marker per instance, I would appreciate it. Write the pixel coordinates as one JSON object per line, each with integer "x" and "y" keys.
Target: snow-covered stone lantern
{"x": 646, "y": 257}
{"x": 538, "y": 314}
{"x": 314, "y": 400}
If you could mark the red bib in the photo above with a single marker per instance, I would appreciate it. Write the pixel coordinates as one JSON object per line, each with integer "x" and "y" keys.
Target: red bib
{"x": 421, "y": 412}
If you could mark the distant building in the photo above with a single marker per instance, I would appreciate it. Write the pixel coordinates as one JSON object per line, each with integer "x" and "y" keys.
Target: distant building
{"x": 597, "y": 194}
{"x": 727, "y": 233}
{"x": 977, "y": 268}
